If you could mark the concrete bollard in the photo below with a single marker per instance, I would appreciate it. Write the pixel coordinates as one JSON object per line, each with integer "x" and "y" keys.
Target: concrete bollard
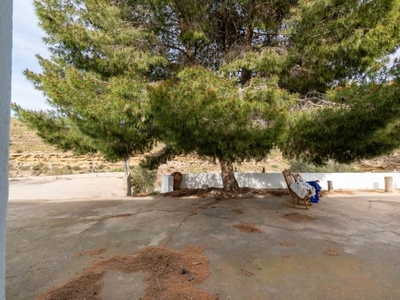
{"x": 389, "y": 184}
{"x": 167, "y": 184}
{"x": 330, "y": 185}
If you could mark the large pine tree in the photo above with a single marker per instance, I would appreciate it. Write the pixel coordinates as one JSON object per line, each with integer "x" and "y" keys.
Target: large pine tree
{"x": 218, "y": 78}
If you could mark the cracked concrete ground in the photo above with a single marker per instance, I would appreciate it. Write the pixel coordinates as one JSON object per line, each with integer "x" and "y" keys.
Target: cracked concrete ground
{"x": 349, "y": 251}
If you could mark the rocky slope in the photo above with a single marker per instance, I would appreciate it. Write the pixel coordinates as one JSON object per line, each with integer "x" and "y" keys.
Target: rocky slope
{"x": 29, "y": 156}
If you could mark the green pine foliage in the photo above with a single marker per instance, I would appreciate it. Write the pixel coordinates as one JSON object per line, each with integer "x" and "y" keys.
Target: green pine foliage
{"x": 338, "y": 40}
{"x": 366, "y": 125}
{"x": 94, "y": 80}
{"x": 204, "y": 113}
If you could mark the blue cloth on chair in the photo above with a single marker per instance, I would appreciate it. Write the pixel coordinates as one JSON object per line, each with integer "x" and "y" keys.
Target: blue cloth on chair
{"x": 318, "y": 188}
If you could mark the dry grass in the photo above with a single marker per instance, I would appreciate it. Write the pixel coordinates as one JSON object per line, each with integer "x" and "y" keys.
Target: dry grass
{"x": 331, "y": 252}
{"x": 247, "y": 228}
{"x": 171, "y": 275}
{"x": 299, "y": 218}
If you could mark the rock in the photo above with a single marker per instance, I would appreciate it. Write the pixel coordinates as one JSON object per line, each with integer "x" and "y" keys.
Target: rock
{"x": 205, "y": 187}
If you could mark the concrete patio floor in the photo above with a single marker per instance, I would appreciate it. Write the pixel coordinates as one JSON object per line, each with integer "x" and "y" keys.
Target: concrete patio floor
{"x": 346, "y": 247}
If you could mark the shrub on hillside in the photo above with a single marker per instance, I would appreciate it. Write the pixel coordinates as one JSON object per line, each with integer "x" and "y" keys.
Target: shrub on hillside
{"x": 37, "y": 167}
{"x": 66, "y": 170}
{"x": 330, "y": 167}
{"x": 142, "y": 180}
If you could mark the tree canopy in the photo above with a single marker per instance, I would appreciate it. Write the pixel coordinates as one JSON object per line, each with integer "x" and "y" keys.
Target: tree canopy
{"x": 219, "y": 78}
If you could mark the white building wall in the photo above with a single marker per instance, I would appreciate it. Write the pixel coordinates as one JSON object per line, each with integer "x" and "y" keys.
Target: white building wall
{"x": 276, "y": 180}
{"x": 5, "y": 98}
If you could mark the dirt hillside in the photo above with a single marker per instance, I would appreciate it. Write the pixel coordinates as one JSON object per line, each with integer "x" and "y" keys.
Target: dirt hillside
{"x": 29, "y": 156}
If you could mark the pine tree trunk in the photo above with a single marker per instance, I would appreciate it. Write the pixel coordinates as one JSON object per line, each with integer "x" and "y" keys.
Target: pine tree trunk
{"x": 127, "y": 167}
{"x": 228, "y": 176}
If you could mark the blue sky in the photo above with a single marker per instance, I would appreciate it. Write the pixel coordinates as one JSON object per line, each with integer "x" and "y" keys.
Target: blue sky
{"x": 27, "y": 42}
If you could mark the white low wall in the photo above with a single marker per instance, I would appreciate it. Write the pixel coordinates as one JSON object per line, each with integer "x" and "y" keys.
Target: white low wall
{"x": 276, "y": 180}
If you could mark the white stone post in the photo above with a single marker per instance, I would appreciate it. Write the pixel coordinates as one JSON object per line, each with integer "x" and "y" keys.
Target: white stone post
{"x": 5, "y": 99}
{"x": 389, "y": 184}
{"x": 167, "y": 184}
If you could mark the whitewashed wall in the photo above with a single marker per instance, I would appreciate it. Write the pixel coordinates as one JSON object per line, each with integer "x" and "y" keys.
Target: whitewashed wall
{"x": 5, "y": 98}
{"x": 276, "y": 180}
